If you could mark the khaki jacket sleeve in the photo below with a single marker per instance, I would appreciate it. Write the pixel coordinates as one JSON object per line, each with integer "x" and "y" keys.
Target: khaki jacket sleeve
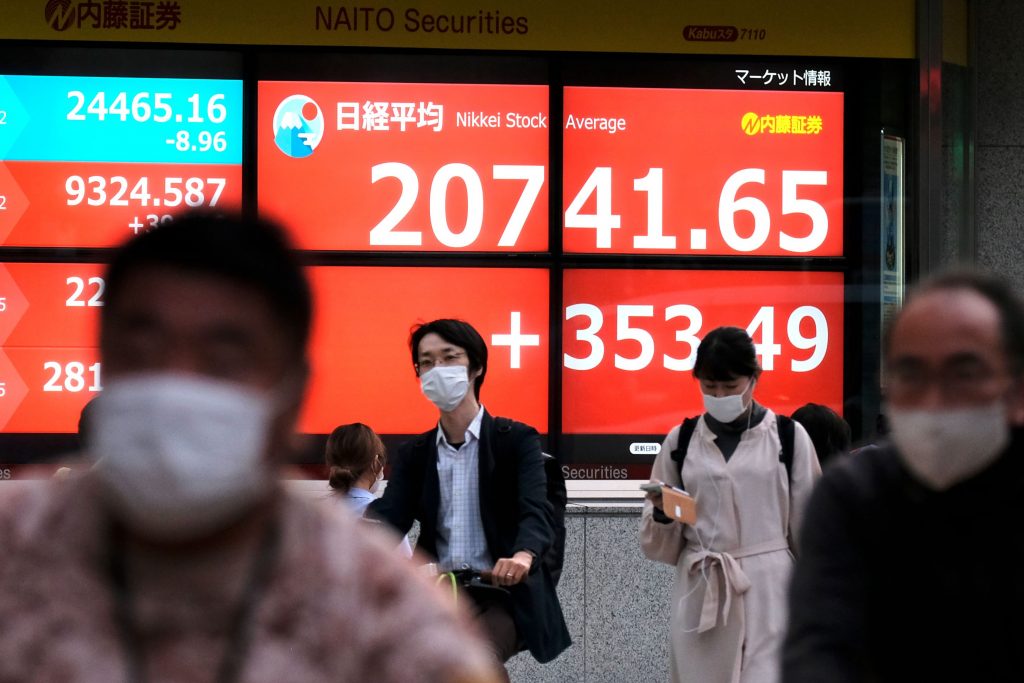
{"x": 804, "y": 474}
{"x": 663, "y": 542}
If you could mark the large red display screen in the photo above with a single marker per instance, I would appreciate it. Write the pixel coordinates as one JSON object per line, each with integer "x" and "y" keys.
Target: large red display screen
{"x": 405, "y": 167}
{"x": 702, "y": 172}
{"x": 630, "y": 338}
{"x": 361, "y": 366}
{"x": 49, "y": 366}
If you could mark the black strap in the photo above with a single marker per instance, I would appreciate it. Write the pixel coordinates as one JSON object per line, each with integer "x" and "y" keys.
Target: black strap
{"x": 685, "y": 434}
{"x": 240, "y": 631}
{"x": 787, "y": 435}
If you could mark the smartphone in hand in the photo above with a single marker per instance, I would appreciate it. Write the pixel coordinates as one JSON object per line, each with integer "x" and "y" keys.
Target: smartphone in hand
{"x": 651, "y": 487}
{"x": 676, "y": 503}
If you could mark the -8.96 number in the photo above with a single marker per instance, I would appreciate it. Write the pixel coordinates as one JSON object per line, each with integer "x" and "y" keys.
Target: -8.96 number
{"x": 625, "y": 329}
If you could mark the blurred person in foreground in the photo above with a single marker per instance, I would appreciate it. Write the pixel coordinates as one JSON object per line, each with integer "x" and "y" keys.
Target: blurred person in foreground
{"x": 909, "y": 569}
{"x": 355, "y": 458}
{"x": 829, "y": 432}
{"x": 179, "y": 556}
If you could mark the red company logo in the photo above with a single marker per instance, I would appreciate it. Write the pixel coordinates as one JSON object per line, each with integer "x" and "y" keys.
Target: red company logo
{"x": 59, "y": 15}
{"x": 710, "y": 34}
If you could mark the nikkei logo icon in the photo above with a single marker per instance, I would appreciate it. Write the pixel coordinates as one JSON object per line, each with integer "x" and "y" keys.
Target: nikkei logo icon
{"x": 298, "y": 126}
{"x": 59, "y": 14}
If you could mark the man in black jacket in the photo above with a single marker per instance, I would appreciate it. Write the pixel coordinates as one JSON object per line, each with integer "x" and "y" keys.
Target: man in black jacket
{"x": 911, "y": 553}
{"x": 478, "y": 488}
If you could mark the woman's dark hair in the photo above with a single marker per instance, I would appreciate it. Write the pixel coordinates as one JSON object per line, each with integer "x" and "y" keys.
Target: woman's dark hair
{"x": 726, "y": 353}
{"x": 352, "y": 451}
{"x": 461, "y": 334}
{"x": 829, "y": 432}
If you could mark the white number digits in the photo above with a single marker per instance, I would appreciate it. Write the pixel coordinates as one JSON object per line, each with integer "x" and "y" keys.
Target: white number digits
{"x": 215, "y": 110}
{"x": 687, "y": 336}
{"x": 603, "y": 221}
{"x": 599, "y": 187}
{"x": 624, "y": 331}
{"x": 74, "y": 114}
{"x": 728, "y": 205}
{"x": 385, "y": 234}
{"x": 219, "y": 184}
{"x": 191, "y": 191}
{"x": 439, "y": 205}
{"x": 819, "y": 342}
{"x": 78, "y": 284}
{"x": 159, "y": 105}
{"x": 194, "y": 192}
{"x": 99, "y": 184}
{"x": 118, "y": 198}
{"x": 589, "y": 335}
{"x": 762, "y": 327}
{"x": 534, "y": 177}
{"x": 75, "y": 188}
{"x": 765, "y": 319}
{"x": 171, "y": 188}
{"x": 140, "y": 109}
{"x": 655, "y": 237}
{"x": 792, "y": 204}
{"x": 75, "y": 376}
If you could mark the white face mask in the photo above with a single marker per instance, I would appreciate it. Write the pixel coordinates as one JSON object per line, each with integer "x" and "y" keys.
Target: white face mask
{"x": 944, "y": 447}
{"x": 181, "y": 455}
{"x": 726, "y": 408}
{"x": 445, "y": 386}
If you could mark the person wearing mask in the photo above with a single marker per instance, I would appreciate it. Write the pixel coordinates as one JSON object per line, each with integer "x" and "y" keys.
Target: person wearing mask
{"x": 829, "y": 432}
{"x": 179, "y": 556}
{"x": 477, "y": 485}
{"x": 910, "y": 551}
{"x": 356, "y": 458}
{"x": 750, "y": 474}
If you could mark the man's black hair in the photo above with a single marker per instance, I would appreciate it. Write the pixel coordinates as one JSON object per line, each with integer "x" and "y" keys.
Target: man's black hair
{"x": 726, "y": 353}
{"x": 991, "y": 287}
{"x": 457, "y": 332}
{"x": 252, "y": 253}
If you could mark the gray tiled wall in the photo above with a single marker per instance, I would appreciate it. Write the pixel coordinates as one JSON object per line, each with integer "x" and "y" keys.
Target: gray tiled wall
{"x": 999, "y": 151}
{"x": 616, "y": 604}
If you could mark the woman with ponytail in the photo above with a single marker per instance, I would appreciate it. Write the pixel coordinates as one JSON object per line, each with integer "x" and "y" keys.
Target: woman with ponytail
{"x": 356, "y": 458}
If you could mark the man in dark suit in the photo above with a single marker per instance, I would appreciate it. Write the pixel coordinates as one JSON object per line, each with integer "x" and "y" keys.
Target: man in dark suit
{"x": 478, "y": 488}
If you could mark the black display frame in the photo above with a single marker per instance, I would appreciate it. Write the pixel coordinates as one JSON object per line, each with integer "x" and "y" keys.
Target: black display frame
{"x": 878, "y": 93}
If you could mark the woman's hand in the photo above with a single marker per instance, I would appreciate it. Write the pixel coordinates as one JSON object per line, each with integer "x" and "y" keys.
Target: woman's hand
{"x": 508, "y": 571}
{"x": 655, "y": 499}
